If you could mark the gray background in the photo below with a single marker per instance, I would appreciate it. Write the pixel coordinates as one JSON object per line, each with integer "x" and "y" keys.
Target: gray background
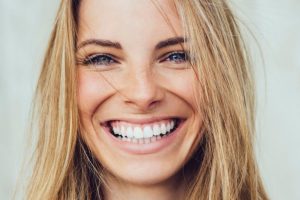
{"x": 24, "y": 30}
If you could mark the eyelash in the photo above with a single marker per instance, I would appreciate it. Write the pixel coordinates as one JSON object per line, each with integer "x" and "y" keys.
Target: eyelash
{"x": 108, "y": 59}
{"x": 182, "y": 54}
{"x": 98, "y": 59}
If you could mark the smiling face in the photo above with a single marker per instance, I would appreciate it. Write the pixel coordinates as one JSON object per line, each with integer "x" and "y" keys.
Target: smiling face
{"x": 135, "y": 89}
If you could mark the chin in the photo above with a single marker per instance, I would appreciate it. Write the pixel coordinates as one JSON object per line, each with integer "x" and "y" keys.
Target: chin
{"x": 145, "y": 174}
{"x": 147, "y": 163}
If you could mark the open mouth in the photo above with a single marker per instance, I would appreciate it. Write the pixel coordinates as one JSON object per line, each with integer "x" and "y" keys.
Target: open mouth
{"x": 143, "y": 133}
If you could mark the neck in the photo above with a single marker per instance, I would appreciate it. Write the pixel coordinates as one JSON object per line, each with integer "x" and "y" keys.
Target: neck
{"x": 168, "y": 190}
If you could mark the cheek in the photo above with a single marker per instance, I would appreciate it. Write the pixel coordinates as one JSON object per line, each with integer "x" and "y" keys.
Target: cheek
{"x": 93, "y": 89}
{"x": 182, "y": 84}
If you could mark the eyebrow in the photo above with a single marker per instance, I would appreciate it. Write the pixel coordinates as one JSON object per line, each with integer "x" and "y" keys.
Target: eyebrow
{"x": 170, "y": 42}
{"x": 99, "y": 42}
{"x": 117, "y": 45}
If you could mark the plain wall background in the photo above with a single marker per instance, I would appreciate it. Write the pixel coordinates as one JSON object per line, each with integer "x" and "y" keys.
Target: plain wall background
{"x": 24, "y": 31}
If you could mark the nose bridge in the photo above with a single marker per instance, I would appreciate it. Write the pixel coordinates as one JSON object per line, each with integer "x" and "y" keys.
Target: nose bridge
{"x": 142, "y": 90}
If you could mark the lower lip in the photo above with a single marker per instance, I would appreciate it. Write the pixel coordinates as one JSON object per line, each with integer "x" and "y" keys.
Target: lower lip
{"x": 149, "y": 148}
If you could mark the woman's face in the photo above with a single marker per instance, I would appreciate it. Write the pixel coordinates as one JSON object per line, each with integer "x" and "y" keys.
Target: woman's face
{"x": 135, "y": 89}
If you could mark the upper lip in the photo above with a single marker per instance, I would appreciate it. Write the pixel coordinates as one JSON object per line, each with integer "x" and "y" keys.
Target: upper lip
{"x": 147, "y": 120}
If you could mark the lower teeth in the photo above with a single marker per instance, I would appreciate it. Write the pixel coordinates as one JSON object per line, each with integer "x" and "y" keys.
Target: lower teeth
{"x": 142, "y": 140}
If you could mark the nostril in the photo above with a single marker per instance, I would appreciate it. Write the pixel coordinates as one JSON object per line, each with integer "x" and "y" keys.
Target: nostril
{"x": 153, "y": 104}
{"x": 142, "y": 103}
{"x": 143, "y": 97}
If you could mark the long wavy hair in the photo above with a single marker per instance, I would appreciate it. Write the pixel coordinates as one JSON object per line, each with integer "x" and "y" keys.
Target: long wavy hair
{"x": 223, "y": 166}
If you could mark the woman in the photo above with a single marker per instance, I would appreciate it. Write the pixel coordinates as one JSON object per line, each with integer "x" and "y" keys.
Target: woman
{"x": 145, "y": 100}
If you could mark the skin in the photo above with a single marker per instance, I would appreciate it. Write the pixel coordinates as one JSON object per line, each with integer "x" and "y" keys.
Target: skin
{"x": 139, "y": 84}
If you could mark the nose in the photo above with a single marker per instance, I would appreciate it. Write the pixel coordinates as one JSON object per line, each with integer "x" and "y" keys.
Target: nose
{"x": 142, "y": 91}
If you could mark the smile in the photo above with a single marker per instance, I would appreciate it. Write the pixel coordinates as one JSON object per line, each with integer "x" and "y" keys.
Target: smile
{"x": 142, "y": 133}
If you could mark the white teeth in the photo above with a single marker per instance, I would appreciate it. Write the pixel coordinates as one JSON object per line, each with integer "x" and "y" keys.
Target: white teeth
{"x": 118, "y": 129}
{"x": 137, "y": 133}
{"x": 129, "y": 132}
{"x": 122, "y": 131}
{"x": 148, "y": 133}
{"x": 168, "y": 127}
{"x": 163, "y": 129}
{"x": 134, "y": 133}
{"x": 156, "y": 130}
{"x": 115, "y": 130}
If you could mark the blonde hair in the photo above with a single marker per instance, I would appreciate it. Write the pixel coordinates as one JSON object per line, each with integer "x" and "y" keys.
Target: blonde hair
{"x": 224, "y": 164}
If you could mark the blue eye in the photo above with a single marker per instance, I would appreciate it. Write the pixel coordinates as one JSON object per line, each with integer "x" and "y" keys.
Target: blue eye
{"x": 99, "y": 59}
{"x": 176, "y": 57}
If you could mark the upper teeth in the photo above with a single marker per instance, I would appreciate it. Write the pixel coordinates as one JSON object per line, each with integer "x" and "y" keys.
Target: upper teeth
{"x": 129, "y": 130}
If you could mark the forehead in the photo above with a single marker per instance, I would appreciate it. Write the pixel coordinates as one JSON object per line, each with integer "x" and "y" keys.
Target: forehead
{"x": 125, "y": 19}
